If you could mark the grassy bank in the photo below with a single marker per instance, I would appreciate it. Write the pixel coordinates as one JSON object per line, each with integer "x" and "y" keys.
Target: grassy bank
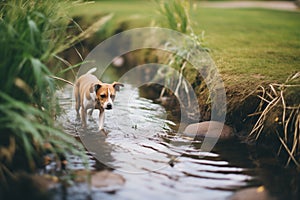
{"x": 257, "y": 46}
{"x": 249, "y": 46}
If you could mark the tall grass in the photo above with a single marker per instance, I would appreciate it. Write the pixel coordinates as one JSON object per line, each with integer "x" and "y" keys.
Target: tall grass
{"x": 176, "y": 16}
{"x": 31, "y": 34}
{"x": 176, "y": 13}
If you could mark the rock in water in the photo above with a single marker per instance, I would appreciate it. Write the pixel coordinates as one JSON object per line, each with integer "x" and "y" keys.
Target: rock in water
{"x": 209, "y": 129}
{"x": 107, "y": 180}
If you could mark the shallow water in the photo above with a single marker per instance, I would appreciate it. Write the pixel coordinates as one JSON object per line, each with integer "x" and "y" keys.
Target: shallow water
{"x": 155, "y": 161}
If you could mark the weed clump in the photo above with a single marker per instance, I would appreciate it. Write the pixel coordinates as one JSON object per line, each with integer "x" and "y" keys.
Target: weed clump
{"x": 279, "y": 116}
{"x": 32, "y": 34}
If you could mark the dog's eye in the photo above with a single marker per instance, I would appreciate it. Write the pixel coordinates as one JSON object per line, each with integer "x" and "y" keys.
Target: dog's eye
{"x": 102, "y": 96}
{"x": 112, "y": 96}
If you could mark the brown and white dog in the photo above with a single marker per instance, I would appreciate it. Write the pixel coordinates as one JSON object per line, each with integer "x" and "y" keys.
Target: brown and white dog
{"x": 90, "y": 93}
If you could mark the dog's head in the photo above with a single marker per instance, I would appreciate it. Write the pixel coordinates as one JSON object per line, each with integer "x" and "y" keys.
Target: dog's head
{"x": 106, "y": 93}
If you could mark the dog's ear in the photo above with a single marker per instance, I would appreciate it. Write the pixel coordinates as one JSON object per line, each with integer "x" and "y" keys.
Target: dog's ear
{"x": 117, "y": 85}
{"x": 94, "y": 88}
{"x": 97, "y": 87}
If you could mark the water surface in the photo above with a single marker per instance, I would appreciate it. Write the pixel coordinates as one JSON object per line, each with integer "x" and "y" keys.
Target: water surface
{"x": 156, "y": 162}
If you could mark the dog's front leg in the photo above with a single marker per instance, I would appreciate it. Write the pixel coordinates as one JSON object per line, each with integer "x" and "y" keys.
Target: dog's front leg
{"x": 83, "y": 116}
{"x": 91, "y": 114}
{"x": 77, "y": 105}
{"x": 101, "y": 119}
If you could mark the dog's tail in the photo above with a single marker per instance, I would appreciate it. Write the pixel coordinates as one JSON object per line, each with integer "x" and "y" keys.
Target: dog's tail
{"x": 91, "y": 70}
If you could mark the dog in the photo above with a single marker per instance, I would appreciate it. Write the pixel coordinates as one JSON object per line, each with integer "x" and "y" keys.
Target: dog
{"x": 91, "y": 93}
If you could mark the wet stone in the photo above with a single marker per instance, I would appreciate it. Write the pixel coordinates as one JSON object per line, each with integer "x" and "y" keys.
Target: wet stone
{"x": 107, "y": 180}
{"x": 209, "y": 129}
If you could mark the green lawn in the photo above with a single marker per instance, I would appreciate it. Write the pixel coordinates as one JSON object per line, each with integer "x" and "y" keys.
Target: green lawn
{"x": 253, "y": 43}
{"x": 249, "y": 46}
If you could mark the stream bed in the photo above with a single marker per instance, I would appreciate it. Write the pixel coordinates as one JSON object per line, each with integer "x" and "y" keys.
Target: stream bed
{"x": 155, "y": 161}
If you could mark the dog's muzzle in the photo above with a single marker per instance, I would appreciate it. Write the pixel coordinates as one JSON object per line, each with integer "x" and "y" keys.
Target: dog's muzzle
{"x": 109, "y": 106}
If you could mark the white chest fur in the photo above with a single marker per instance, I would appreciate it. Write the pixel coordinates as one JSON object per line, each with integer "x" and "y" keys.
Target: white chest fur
{"x": 89, "y": 103}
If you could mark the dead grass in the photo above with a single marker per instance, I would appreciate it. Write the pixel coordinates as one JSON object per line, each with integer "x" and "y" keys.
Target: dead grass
{"x": 277, "y": 113}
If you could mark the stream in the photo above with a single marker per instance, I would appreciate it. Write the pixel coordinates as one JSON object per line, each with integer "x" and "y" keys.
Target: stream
{"x": 155, "y": 162}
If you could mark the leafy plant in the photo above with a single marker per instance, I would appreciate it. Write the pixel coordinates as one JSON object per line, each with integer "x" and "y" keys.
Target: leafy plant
{"x": 31, "y": 35}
